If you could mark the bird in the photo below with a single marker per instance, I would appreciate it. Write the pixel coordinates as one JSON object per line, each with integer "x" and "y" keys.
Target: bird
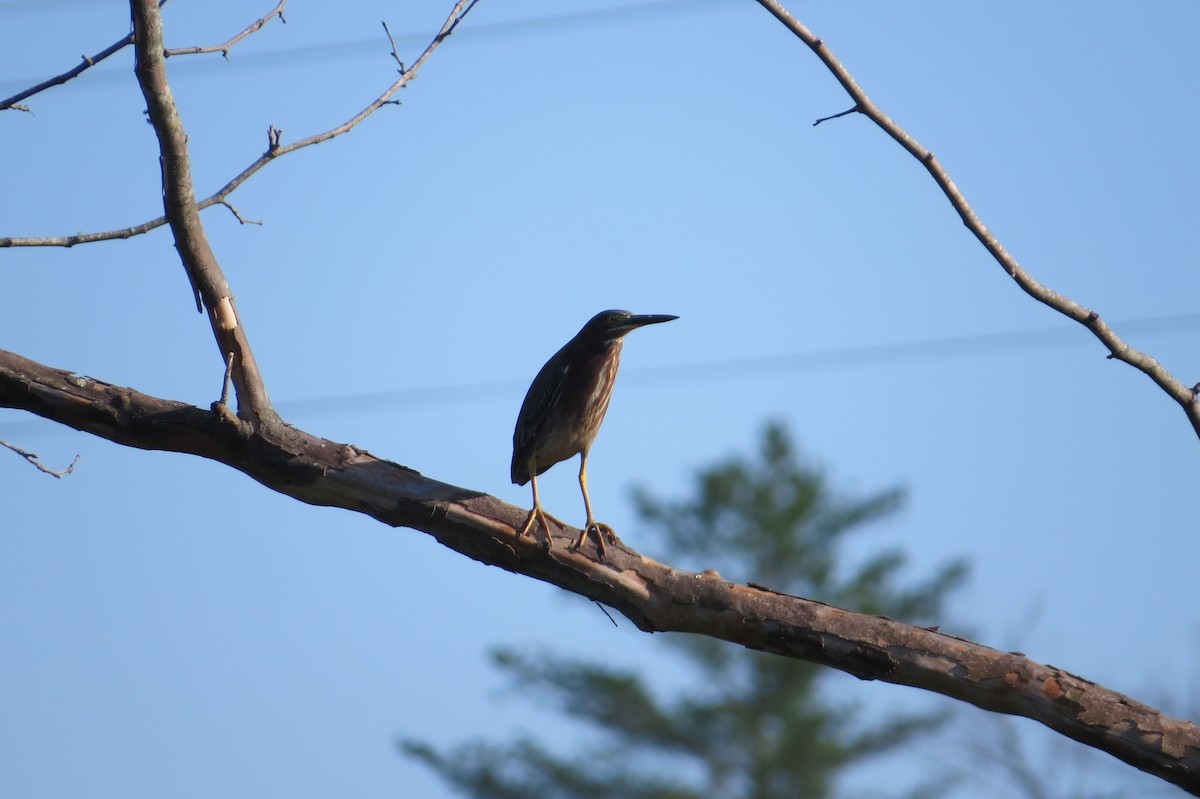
{"x": 563, "y": 410}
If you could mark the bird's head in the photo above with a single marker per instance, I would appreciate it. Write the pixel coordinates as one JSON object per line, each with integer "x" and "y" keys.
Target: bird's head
{"x": 608, "y": 326}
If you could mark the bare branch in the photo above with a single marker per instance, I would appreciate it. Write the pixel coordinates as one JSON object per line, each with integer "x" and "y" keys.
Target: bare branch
{"x": 838, "y": 115}
{"x": 652, "y": 595}
{"x": 86, "y": 238}
{"x": 224, "y": 48}
{"x": 87, "y": 63}
{"x": 275, "y": 148}
{"x": 237, "y": 215}
{"x": 179, "y": 204}
{"x": 395, "y": 54}
{"x": 33, "y": 458}
{"x": 228, "y": 379}
{"x": 1118, "y": 349}
{"x": 221, "y": 406}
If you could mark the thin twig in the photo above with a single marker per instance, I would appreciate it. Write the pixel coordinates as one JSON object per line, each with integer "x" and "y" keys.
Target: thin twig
{"x": 838, "y": 115}
{"x": 228, "y": 378}
{"x": 33, "y": 458}
{"x": 224, "y": 48}
{"x": 275, "y": 148}
{"x": 455, "y": 19}
{"x": 86, "y": 238}
{"x": 221, "y": 406}
{"x": 238, "y": 216}
{"x": 1118, "y": 349}
{"x": 87, "y": 62}
{"x": 460, "y": 10}
{"x": 395, "y": 54}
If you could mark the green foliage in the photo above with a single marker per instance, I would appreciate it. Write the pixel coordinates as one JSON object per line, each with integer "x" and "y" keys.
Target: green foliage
{"x": 745, "y": 724}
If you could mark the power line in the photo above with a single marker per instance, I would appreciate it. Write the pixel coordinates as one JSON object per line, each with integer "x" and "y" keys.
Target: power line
{"x": 769, "y": 365}
{"x": 357, "y": 47}
{"x": 752, "y": 367}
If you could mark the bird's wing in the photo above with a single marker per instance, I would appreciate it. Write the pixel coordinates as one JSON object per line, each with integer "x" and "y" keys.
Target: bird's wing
{"x": 541, "y": 399}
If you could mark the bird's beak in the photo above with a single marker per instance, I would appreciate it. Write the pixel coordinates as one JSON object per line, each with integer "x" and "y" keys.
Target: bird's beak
{"x": 640, "y": 320}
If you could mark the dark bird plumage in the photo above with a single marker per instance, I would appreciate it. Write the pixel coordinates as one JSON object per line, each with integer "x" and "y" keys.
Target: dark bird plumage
{"x": 565, "y": 406}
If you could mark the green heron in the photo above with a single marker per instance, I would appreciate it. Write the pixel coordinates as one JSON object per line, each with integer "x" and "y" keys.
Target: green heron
{"x": 564, "y": 407}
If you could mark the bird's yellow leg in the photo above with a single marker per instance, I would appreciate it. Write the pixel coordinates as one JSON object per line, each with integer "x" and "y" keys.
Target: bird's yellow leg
{"x": 538, "y": 514}
{"x": 602, "y": 530}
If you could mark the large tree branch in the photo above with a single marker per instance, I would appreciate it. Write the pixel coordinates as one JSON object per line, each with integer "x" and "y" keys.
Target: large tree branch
{"x": 652, "y": 595}
{"x": 1187, "y": 397}
{"x": 179, "y": 203}
{"x": 275, "y": 149}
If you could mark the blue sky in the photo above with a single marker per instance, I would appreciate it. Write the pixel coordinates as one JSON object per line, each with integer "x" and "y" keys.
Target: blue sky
{"x": 171, "y": 627}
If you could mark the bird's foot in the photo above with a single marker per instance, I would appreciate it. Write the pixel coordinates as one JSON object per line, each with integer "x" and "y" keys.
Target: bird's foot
{"x": 537, "y": 515}
{"x": 601, "y": 532}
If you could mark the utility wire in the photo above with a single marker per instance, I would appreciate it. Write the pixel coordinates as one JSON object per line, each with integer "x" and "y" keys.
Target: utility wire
{"x": 768, "y": 365}
{"x": 357, "y": 47}
{"x": 752, "y": 367}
